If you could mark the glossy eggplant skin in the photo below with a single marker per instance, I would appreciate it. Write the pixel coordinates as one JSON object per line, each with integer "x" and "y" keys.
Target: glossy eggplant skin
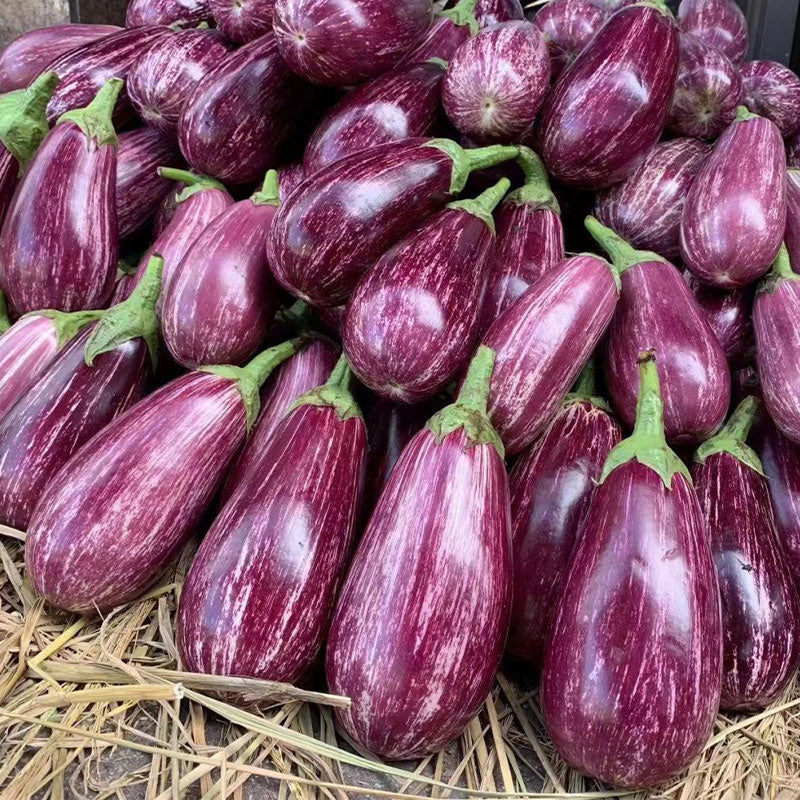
{"x": 494, "y": 12}
{"x": 719, "y": 23}
{"x": 242, "y": 20}
{"x": 9, "y": 179}
{"x": 594, "y": 129}
{"x": 448, "y": 31}
{"x": 290, "y": 177}
{"x": 184, "y": 13}
{"x": 773, "y": 91}
{"x": 792, "y": 232}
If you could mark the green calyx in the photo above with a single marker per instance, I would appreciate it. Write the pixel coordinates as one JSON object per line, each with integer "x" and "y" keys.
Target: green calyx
{"x": 647, "y": 444}
{"x": 781, "y": 271}
{"x": 469, "y": 411}
{"x": 132, "y": 318}
{"x": 743, "y": 113}
{"x": 67, "y": 324}
{"x": 335, "y": 392}
{"x": 623, "y": 255}
{"x": 23, "y": 122}
{"x": 536, "y": 191}
{"x": 439, "y": 62}
{"x": 585, "y": 389}
{"x": 194, "y": 182}
{"x": 467, "y": 161}
{"x": 5, "y": 322}
{"x": 733, "y": 436}
{"x": 95, "y": 119}
{"x": 461, "y": 14}
{"x": 268, "y": 195}
{"x": 297, "y": 315}
{"x": 483, "y": 205}
{"x": 659, "y": 5}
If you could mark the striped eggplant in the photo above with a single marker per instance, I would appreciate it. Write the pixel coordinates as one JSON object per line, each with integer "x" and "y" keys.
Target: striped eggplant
{"x": 260, "y": 592}
{"x": 419, "y": 628}
{"x": 62, "y": 253}
{"x": 773, "y": 91}
{"x": 646, "y": 207}
{"x": 657, "y": 311}
{"x": 734, "y": 216}
{"x": 242, "y": 20}
{"x": 290, "y": 176}
{"x": 595, "y": 128}
{"x": 125, "y": 282}
{"x": 221, "y": 299}
{"x": 166, "y": 209}
{"x": 792, "y": 232}
{"x": 494, "y": 12}
{"x": 450, "y": 28}
{"x": 719, "y": 23}
{"x": 164, "y": 76}
{"x": 496, "y": 82}
{"x": 167, "y": 12}
{"x": 551, "y": 485}
{"x": 631, "y": 680}
{"x": 401, "y": 104}
{"x": 123, "y": 506}
{"x": 543, "y": 341}
{"x": 760, "y": 606}
{"x": 340, "y": 221}
{"x": 100, "y": 373}
{"x": 412, "y": 321}
{"x": 338, "y": 44}
{"x": 707, "y": 91}
{"x": 793, "y": 151}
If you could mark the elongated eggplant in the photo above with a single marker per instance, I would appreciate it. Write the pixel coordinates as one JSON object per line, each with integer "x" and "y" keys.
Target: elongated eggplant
{"x": 596, "y": 125}
{"x": 734, "y": 216}
{"x": 658, "y": 311}
{"x": 242, "y": 20}
{"x": 449, "y": 30}
{"x": 167, "y": 12}
{"x": 398, "y": 105}
{"x": 760, "y": 606}
{"x": 339, "y": 222}
{"x": 419, "y": 629}
{"x": 494, "y": 12}
{"x": 773, "y": 91}
{"x": 62, "y": 253}
{"x": 122, "y": 507}
{"x": 496, "y": 82}
{"x": 719, "y": 23}
{"x": 792, "y": 232}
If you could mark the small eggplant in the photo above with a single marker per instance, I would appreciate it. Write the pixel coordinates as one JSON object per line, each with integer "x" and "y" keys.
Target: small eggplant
{"x": 792, "y": 232}
{"x": 185, "y": 13}
{"x": 773, "y": 91}
{"x": 494, "y": 12}
{"x": 422, "y": 618}
{"x": 242, "y": 20}
{"x": 734, "y": 216}
{"x": 449, "y": 30}
{"x": 721, "y": 24}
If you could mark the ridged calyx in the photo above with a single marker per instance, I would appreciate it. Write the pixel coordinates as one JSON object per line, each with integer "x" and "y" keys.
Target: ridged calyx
{"x": 335, "y": 392}
{"x": 733, "y": 436}
{"x": 23, "y": 120}
{"x": 466, "y": 162}
{"x": 95, "y": 119}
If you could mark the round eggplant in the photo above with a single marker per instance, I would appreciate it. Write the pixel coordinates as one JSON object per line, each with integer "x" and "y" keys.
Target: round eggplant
{"x": 773, "y": 91}
{"x": 184, "y": 13}
{"x": 721, "y": 24}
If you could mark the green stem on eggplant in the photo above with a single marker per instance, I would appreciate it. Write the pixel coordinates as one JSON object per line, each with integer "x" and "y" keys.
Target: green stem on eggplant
{"x": 95, "y": 120}
{"x": 732, "y": 438}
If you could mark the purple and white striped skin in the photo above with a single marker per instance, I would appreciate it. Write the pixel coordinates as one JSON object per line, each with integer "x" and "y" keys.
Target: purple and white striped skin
{"x": 166, "y": 209}
{"x": 448, "y": 31}
{"x": 496, "y": 82}
{"x": 290, "y": 176}
{"x": 657, "y": 311}
{"x": 707, "y": 91}
{"x": 185, "y": 13}
{"x": 792, "y": 232}
{"x": 421, "y": 621}
{"x": 760, "y": 606}
{"x": 341, "y": 44}
{"x": 338, "y": 222}
{"x": 401, "y": 104}
{"x": 551, "y": 485}
{"x": 161, "y": 80}
{"x": 597, "y": 124}
{"x": 413, "y": 320}
{"x": 221, "y": 299}
{"x": 123, "y": 506}
{"x": 734, "y": 216}
{"x": 242, "y": 20}
{"x": 646, "y": 207}
{"x": 260, "y": 592}
{"x": 62, "y": 253}
{"x": 719, "y": 23}
{"x": 125, "y": 283}
{"x": 542, "y": 342}
{"x": 632, "y": 676}
{"x": 773, "y": 91}
{"x": 494, "y": 12}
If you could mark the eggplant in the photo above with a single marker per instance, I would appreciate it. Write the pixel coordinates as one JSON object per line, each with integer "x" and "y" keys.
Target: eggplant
{"x": 496, "y": 82}
{"x": 401, "y": 104}
{"x": 340, "y": 221}
{"x": 161, "y": 80}
{"x": 62, "y": 253}
{"x": 658, "y": 311}
{"x": 290, "y": 176}
{"x": 337, "y": 44}
{"x": 418, "y": 631}
{"x": 646, "y": 208}
{"x": 221, "y": 299}
{"x": 632, "y": 679}
{"x": 793, "y": 151}
{"x": 450, "y": 28}
{"x": 773, "y": 91}
{"x": 167, "y": 208}
{"x": 734, "y": 216}
{"x": 120, "y": 510}
{"x": 494, "y": 12}
{"x": 412, "y": 322}
{"x": 792, "y": 232}
{"x": 551, "y": 485}
{"x": 707, "y": 91}
{"x": 185, "y": 13}
{"x": 721, "y": 24}
{"x": 100, "y": 373}
{"x": 242, "y": 20}
{"x": 125, "y": 282}
{"x": 260, "y": 592}
{"x": 760, "y": 606}
{"x": 543, "y": 341}
{"x": 5, "y": 322}
{"x": 595, "y": 126}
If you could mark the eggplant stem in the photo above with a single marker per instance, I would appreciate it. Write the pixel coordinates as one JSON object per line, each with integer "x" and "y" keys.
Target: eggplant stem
{"x": 586, "y": 384}
{"x": 623, "y": 254}
{"x": 261, "y": 366}
{"x": 342, "y": 374}
{"x": 743, "y": 113}
{"x": 483, "y": 205}
{"x": 68, "y": 323}
{"x": 781, "y": 271}
{"x": 536, "y": 190}
{"x": 23, "y": 120}
{"x": 5, "y": 321}
{"x": 474, "y": 393}
{"x": 269, "y": 193}
{"x": 732, "y": 438}
{"x": 334, "y": 393}
{"x": 467, "y": 161}
{"x": 95, "y": 120}
{"x": 463, "y": 13}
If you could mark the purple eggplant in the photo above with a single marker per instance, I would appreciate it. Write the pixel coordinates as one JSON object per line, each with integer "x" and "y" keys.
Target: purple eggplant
{"x": 494, "y": 12}
{"x": 166, "y": 209}
{"x": 734, "y": 216}
{"x": 646, "y": 207}
{"x": 631, "y": 679}
{"x": 261, "y": 589}
{"x": 340, "y": 221}
{"x": 242, "y": 20}
{"x": 496, "y": 82}
{"x": 792, "y": 232}
{"x": 760, "y": 606}
{"x": 449, "y": 30}
{"x": 419, "y": 628}
{"x": 290, "y": 177}
{"x": 338, "y": 44}
{"x": 721, "y": 24}
{"x": 167, "y": 12}
{"x": 221, "y": 298}
{"x": 707, "y": 91}
{"x": 398, "y": 105}
{"x": 123, "y": 506}
{"x": 161, "y": 80}
{"x": 657, "y": 311}
{"x": 793, "y": 151}
{"x": 773, "y": 91}
{"x": 597, "y": 125}
{"x": 100, "y": 373}
{"x": 551, "y": 485}
{"x": 124, "y": 284}
{"x": 413, "y": 320}
{"x": 58, "y": 247}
